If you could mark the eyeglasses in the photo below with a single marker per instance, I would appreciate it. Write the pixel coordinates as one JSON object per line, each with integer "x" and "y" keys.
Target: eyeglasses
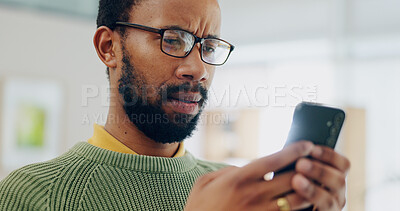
{"x": 179, "y": 43}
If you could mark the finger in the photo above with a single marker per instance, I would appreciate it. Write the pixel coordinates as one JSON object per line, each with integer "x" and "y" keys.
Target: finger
{"x": 330, "y": 177}
{"x": 329, "y": 156}
{"x": 295, "y": 201}
{"x": 278, "y": 186}
{"x": 341, "y": 197}
{"x": 288, "y": 155}
{"x": 316, "y": 195}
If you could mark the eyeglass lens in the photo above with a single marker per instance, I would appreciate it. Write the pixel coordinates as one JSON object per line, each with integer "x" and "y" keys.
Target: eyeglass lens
{"x": 215, "y": 51}
{"x": 179, "y": 43}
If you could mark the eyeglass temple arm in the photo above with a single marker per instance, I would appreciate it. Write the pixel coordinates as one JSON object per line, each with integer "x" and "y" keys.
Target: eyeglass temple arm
{"x": 138, "y": 26}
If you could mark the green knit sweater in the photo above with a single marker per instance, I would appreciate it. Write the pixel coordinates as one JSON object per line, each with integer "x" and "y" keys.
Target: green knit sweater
{"x": 91, "y": 178}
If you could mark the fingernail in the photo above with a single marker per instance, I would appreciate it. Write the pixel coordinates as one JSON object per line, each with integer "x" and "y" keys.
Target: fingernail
{"x": 269, "y": 176}
{"x": 304, "y": 165}
{"x": 309, "y": 147}
{"x": 317, "y": 152}
{"x": 303, "y": 182}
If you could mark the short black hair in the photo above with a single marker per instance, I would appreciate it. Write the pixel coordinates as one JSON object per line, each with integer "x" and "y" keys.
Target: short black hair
{"x": 111, "y": 11}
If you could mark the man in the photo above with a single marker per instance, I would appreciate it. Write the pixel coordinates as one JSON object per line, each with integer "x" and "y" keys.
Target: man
{"x": 161, "y": 57}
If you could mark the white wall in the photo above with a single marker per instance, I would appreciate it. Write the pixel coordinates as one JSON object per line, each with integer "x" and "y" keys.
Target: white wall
{"x": 56, "y": 48}
{"x": 375, "y": 87}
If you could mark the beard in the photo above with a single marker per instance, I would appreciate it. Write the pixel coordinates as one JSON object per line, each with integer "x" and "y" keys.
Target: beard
{"x": 149, "y": 117}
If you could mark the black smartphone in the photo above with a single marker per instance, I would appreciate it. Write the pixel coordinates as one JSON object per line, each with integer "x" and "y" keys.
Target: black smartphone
{"x": 317, "y": 123}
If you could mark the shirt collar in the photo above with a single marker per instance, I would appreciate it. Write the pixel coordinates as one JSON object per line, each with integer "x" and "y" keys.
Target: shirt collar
{"x": 101, "y": 138}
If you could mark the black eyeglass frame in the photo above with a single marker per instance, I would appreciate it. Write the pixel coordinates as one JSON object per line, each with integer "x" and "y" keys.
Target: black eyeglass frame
{"x": 161, "y": 32}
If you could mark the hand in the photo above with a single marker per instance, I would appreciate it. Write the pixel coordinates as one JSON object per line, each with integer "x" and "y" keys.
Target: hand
{"x": 327, "y": 168}
{"x": 244, "y": 188}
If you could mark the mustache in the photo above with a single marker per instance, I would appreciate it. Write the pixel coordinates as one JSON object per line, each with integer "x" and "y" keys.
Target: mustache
{"x": 185, "y": 87}
{"x": 133, "y": 94}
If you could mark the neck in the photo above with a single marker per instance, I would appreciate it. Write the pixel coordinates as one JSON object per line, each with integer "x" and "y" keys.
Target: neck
{"x": 119, "y": 126}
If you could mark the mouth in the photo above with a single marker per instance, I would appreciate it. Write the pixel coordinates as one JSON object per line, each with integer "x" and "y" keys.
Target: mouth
{"x": 185, "y": 102}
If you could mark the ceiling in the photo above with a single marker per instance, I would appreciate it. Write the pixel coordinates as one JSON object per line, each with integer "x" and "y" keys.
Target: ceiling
{"x": 254, "y": 21}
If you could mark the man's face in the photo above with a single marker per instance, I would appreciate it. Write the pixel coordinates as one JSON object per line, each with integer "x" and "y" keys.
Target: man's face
{"x": 162, "y": 95}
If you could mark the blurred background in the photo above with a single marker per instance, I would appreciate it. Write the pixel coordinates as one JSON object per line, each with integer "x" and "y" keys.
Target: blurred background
{"x": 346, "y": 53}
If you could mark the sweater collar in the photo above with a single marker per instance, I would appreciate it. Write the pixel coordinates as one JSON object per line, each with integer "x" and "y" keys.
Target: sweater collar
{"x": 134, "y": 162}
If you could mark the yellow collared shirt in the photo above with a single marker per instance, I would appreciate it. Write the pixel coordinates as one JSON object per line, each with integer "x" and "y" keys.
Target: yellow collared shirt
{"x": 101, "y": 138}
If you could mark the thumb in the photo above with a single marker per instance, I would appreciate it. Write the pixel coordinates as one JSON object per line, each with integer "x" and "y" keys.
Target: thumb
{"x": 208, "y": 178}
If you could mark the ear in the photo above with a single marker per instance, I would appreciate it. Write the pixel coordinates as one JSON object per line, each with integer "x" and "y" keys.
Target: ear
{"x": 103, "y": 42}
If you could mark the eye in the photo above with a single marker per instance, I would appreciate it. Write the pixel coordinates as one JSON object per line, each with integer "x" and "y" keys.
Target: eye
{"x": 172, "y": 41}
{"x": 209, "y": 49}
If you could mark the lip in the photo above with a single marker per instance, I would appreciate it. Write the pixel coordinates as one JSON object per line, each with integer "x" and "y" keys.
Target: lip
{"x": 188, "y": 97}
{"x": 184, "y": 102}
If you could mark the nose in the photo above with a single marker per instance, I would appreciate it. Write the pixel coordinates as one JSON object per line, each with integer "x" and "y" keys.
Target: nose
{"x": 193, "y": 68}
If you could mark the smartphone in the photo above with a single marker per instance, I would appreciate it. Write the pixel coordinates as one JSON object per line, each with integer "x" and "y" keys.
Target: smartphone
{"x": 317, "y": 123}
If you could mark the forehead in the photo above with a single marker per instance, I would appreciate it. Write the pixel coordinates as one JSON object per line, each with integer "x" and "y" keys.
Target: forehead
{"x": 202, "y": 17}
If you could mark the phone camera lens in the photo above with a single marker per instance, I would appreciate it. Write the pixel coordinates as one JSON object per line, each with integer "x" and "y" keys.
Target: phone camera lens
{"x": 339, "y": 118}
{"x": 334, "y": 131}
{"x": 331, "y": 142}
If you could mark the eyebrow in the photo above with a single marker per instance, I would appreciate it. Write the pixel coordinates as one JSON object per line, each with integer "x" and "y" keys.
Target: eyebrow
{"x": 176, "y": 27}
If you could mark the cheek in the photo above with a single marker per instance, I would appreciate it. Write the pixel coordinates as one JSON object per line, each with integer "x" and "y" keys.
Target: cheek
{"x": 158, "y": 72}
{"x": 210, "y": 78}
{"x": 153, "y": 65}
